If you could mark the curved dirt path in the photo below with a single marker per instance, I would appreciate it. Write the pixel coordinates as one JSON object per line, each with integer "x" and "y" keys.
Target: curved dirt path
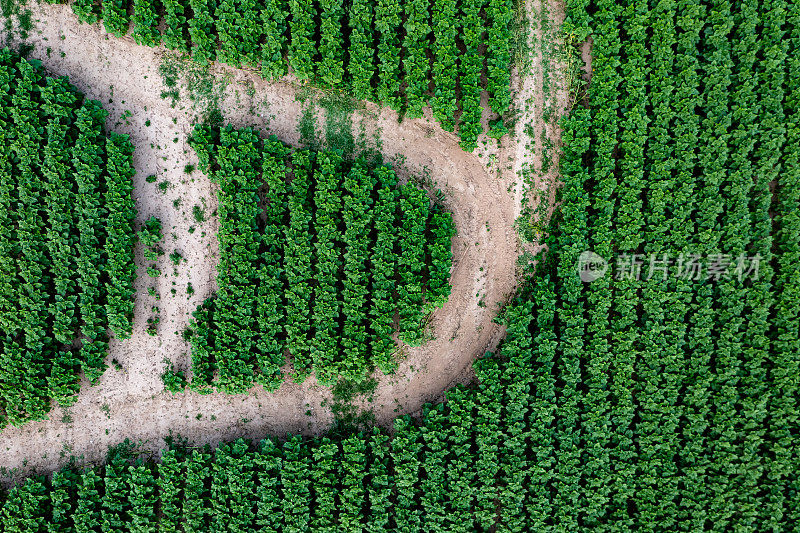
{"x": 482, "y": 192}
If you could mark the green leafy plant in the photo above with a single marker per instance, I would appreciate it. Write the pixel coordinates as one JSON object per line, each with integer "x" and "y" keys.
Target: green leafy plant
{"x": 66, "y": 269}
{"x": 317, "y": 275}
{"x": 199, "y": 214}
{"x": 174, "y": 381}
{"x": 402, "y": 54}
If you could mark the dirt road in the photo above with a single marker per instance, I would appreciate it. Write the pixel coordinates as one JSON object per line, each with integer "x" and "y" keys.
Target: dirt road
{"x": 482, "y": 192}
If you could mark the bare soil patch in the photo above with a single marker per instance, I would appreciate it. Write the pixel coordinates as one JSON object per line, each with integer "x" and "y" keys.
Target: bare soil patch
{"x": 483, "y": 191}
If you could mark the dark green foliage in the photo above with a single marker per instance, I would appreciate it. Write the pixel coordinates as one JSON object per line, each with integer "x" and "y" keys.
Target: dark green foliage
{"x": 470, "y": 69}
{"x": 176, "y": 27}
{"x": 201, "y": 30}
{"x": 328, "y": 258}
{"x": 388, "y": 23}
{"x": 232, "y": 488}
{"x": 624, "y": 404}
{"x": 239, "y": 29}
{"x": 145, "y": 22}
{"x": 273, "y": 19}
{"x": 88, "y": 11}
{"x": 384, "y": 262}
{"x": 414, "y": 205}
{"x": 174, "y": 381}
{"x": 500, "y": 14}
{"x": 295, "y": 484}
{"x": 445, "y": 72}
{"x": 87, "y": 159}
{"x": 401, "y": 53}
{"x": 361, "y": 66}
{"x": 67, "y": 268}
{"x": 357, "y": 218}
{"x": 237, "y": 310}
{"x": 302, "y": 45}
{"x": 298, "y": 260}
{"x": 441, "y": 231}
{"x": 271, "y": 311}
{"x": 19, "y": 509}
{"x": 330, "y": 68}
{"x": 309, "y": 264}
{"x": 416, "y": 66}
{"x": 486, "y": 458}
{"x": 142, "y": 498}
{"x": 170, "y": 483}
{"x": 120, "y": 240}
{"x": 115, "y": 17}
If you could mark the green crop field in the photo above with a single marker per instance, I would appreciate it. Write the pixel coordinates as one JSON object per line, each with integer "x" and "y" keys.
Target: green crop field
{"x": 318, "y": 270}
{"x": 648, "y": 374}
{"x": 376, "y": 50}
{"x": 66, "y": 248}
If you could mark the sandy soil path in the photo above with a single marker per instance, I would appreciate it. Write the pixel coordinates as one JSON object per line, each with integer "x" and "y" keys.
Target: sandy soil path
{"x": 483, "y": 193}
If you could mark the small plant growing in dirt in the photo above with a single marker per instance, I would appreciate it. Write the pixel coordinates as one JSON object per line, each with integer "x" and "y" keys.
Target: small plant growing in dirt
{"x": 152, "y": 323}
{"x": 199, "y": 214}
{"x": 189, "y": 289}
{"x": 175, "y": 257}
{"x": 150, "y": 234}
{"x": 174, "y": 381}
{"x": 173, "y": 95}
{"x": 189, "y": 168}
{"x": 497, "y": 129}
{"x": 152, "y": 254}
{"x": 151, "y": 178}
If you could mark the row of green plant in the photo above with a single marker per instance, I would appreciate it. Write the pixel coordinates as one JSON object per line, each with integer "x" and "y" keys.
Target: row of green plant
{"x": 424, "y": 477}
{"x": 406, "y": 55}
{"x": 624, "y": 403}
{"x": 317, "y": 255}
{"x": 674, "y": 386}
{"x": 67, "y": 267}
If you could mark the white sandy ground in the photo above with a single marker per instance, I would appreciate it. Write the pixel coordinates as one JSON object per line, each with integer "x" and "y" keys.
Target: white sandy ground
{"x": 483, "y": 191}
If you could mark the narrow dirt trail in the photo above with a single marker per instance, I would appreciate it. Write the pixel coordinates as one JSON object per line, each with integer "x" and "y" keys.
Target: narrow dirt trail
{"x": 130, "y": 403}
